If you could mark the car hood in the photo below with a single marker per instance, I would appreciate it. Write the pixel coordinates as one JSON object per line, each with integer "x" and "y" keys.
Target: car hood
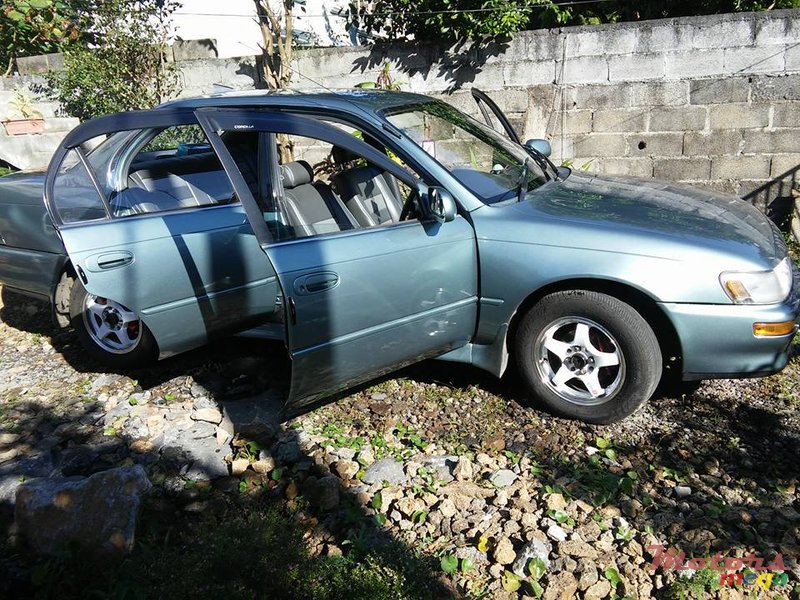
{"x": 665, "y": 210}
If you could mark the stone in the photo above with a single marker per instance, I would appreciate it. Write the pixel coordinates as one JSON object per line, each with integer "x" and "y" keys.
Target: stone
{"x": 99, "y": 512}
{"x": 532, "y": 549}
{"x": 365, "y": 457}
{"x": 447, "y": 508}
{"x": 561, "y": 586}
{"x": 77, "y": 460}
{"x": 504, "y": 551}
{"x": 471, "y": 553}
{"x": 197, "y": 447}
{"x": 263, "y": 465}
{"x": 255, "y": 418}
{"x": 502, "y": 478}
{"x": 577, "y": 548}
{"x": 239, "y": 466}
{"x": 386, "y": 469}
{"x": 557, "y": 533}
{"x": 324, "y": 492}
{"x": 442, "y": 467}
{"x": 555, "y": 502}
{"x": 599, "y": 590}
{"x": 463, "y": 471}
{"x": 289, "y": 452}
{"x": 209, "y": 415}
{"x": 346, "y": 469}
{"x": 681, "y": 491}
{"x": 408, "y": 505}
{"x": 587, "y": 573}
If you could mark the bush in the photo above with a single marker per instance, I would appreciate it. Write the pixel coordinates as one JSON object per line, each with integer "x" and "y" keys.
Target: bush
{"x": 123, "y": 65}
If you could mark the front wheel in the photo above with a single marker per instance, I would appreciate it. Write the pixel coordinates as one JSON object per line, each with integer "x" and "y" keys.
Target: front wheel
{"x": 112, "y": 333}
{"x": 588, "y": 356}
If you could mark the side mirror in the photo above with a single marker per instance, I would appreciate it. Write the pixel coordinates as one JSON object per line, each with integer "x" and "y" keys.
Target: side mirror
{"x": 541, "y": 146}
{"x": 440, "y": 204}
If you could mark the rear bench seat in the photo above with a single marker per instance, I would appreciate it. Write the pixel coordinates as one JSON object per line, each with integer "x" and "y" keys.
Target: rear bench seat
{"x": 172, "y": 183}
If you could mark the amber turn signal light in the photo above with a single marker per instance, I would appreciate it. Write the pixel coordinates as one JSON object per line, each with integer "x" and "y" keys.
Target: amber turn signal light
{"x": 774, "y": 329}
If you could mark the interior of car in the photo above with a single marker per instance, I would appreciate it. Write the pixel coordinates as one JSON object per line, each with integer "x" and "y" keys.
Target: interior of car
{"x": 340, "y": 191}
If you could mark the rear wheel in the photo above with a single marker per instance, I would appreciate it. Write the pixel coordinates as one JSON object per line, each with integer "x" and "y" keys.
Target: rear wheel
{"x": 112, "y": 333}
{"x": 588, "y": 356}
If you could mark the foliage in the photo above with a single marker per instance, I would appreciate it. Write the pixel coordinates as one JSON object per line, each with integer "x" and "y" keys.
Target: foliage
{"x": 30, "y": 27}
{"x": 122, "y": 65}
{"x": 384, "y": 81}
{"x": 22, "y": 104}
{"x": 454, "y": 21}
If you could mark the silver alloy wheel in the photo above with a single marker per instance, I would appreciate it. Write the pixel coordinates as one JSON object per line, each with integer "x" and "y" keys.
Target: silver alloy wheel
{"x": 111, "y": 326}
{"x": 580, "y": 361}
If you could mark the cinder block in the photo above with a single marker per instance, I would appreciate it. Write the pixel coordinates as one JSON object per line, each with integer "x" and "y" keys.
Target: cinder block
{"x": 529, "y": 73}
{"x": 740, "y": 167}
{"x": 584, "y": 69}
{"x": 694, "y": 63}
{"x": 487, "y": 77}
{"x": 617, "y": 40}
{"x": 725, "y": 186}
{"x": 682, "y": 169}
{"x": 713, "y": 143}
{"x": 687, "y": 118}
{"x": 194, "y": 49}
{"x": 771, "y": 142}
{"x": 723, "y": 34}
{"x": 769, "y": 59}
{"x": 719, "y": 91}
{"x": 577, "y": 121}
{"x": 662, "y": 36}
{"x": 777, "y": 88}
{"x": 785, "y": 163}
{"x": 655, "y": 144}
{"x": 792, "y": 57}
{"x": 562, "y": 148}
{"x": 660, "y": 93}
{"x": 738, "y": 116}
{"x": 632, "y": 167}
{"x": 620, "y": 119}
{"x": 599, "y": 144}
{"x": 776, "y": 28}
{"x": 603, "y": 96}
{"x": 636, "y": 67}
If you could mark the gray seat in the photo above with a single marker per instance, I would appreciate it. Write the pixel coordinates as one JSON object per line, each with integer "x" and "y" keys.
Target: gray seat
{"x": 312, "y": 208}
{"x": 372, "y": 196}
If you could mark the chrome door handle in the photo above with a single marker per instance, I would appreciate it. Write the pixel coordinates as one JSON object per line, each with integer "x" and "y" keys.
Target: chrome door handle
{"x": 108, "y": 260}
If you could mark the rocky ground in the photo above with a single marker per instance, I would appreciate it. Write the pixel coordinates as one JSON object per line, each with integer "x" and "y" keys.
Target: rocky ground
{"x": 461, "y": 472}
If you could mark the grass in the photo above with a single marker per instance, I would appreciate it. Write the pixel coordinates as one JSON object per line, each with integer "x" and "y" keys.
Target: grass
{"x": 5, "y": 170}
{"x": 251, "y": 552}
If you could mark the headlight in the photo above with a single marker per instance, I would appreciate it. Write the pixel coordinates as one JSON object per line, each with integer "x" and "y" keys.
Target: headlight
{"x": 760, "y": 287}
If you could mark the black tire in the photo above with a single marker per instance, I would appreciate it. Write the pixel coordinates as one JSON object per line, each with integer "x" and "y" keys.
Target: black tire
{"x": 130, "y": 346}
{"x": 587, "y": 331}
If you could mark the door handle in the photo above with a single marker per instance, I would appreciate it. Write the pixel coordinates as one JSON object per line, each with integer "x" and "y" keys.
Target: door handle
{"x": 315, "y": 283}
{"x": 109, "y": 260}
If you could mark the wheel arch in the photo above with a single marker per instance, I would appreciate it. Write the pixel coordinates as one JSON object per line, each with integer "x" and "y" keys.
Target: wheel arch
{"x": 643, "y": 303}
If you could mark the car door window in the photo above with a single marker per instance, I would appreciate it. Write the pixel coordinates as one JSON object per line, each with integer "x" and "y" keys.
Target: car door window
{"x": 78, "y": 196}
{"x": 318, "y": 186}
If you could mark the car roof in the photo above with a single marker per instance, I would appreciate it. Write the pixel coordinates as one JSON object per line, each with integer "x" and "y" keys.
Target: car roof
{"x": 370, "y": 100}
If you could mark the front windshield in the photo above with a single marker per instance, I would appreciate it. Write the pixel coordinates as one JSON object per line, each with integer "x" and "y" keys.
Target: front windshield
{"x": 491, "y": 166}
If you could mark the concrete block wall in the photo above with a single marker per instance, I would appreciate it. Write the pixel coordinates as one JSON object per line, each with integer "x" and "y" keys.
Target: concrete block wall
{"x": 714, "y": 101}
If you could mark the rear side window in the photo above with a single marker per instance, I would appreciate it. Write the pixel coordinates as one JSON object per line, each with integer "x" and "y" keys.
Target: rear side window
{"x": 76, "y": 197}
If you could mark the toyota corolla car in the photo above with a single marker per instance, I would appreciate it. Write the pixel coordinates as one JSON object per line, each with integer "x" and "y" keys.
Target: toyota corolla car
{"x": 372, "y": 229}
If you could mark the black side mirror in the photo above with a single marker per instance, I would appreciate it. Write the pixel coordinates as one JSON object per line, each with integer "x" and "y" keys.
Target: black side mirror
{"x": 439, "y": 204}
{"x": 540, "y": 146}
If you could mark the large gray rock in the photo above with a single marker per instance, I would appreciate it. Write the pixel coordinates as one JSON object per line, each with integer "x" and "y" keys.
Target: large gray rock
{"x": 99, "y": 513}
{"x": 533, "y": 549}
{"x": 196, "y": 446}
{"x": 255, "y": 418}
{"x": 386, "y": 469}
{"x": 441, "y": 466}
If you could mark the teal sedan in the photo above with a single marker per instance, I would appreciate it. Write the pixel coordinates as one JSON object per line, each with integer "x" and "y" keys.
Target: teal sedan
{"x": 369, "y": 229}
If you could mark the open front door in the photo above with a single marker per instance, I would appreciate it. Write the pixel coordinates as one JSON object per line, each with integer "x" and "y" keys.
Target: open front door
{"x": 362, "y": 298}
{"x": 494, "y": 117}
{"x": 156, "y": 233}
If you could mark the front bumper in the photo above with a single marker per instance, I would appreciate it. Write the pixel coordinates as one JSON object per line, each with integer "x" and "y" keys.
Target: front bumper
{"x": 717, "y": 340}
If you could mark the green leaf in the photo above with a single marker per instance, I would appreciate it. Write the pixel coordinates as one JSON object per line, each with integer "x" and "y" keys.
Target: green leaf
{"x": 377, "y": 501}
{"x": 602, "y": 443}
{"x": 613, "y": 576}
{"x": 243, "y": 486}
{"x": 610, "y": 454}
{"x": 40, "y": 4}
{"x": 276, "y": 474}
{"x": 109, "y": 432}
{"x": 537, "y": 568}
{"x": 466, "y": 565}
{"x": 449, "y": 563}
{"x": 511, "y": 583}
{"x": 15, "y": 15}
{"x": 133, "y": 401}
{"x": 419, "y": 516}
{"x": 380, "y": 519}
{"x": 536, "y": 588}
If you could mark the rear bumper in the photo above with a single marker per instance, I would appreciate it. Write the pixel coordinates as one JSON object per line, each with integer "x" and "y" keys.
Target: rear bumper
{"x": 717, "y": 340}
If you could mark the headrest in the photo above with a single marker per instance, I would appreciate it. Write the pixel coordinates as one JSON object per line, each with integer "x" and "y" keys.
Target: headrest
{"x": 296, "y": 173}
{"x": 342, "y": 155}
